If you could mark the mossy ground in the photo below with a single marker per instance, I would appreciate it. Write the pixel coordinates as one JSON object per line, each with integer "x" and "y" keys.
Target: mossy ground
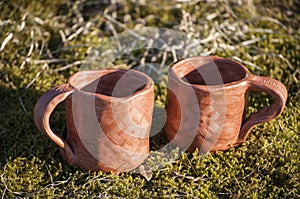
{"x": 264, "y": 35}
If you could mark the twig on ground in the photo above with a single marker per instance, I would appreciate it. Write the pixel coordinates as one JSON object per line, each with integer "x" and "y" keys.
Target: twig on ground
{"x": 145, "y": 54}
{"x": 194, "y": 170}
{"x": 76, "y": 63}
{"x": 194, "y": 179}
{"x": 174, "y": 55}
{"x": 23, "y": 107}
{"x": 51, "y": 177}
{"x": 36, "y": 76}
{"x": 219, "y": 29}
{"x": 285, "y": 59}
{"x": 145, "y": 171}
{"x": 44, "y": 61}
{"x": 247, "y": 63}
{"x": 273, "y": 20}
{"x": 31, "y": 43}
{"x": 229, "y": 10}
{"x": 4, "y": 183}
{"x": 252, "y": 41}
{"x": 113, "y": 20}
{"x": 6, "y": 40}
{"x": 63, "y": 36}
{"x": 164, "y": 59}
{"x": 276, "y": 55}
{"x": 212, "y": 36}
{"x": 74, "y": 35}
{"x": 292, "y": 191}
{"x": 115, "y": 34}
{"x": 39, "y": 20}
{"x": 5, "y": 22}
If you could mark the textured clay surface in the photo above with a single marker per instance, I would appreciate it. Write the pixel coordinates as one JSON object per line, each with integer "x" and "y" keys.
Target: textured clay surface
{"x": 206, "y": 103}
{"x": 108, "y": 116}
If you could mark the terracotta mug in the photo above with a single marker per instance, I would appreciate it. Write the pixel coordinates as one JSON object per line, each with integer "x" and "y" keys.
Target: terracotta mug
{"x": 207, "y": 103}
{"x": 108, "y": 118}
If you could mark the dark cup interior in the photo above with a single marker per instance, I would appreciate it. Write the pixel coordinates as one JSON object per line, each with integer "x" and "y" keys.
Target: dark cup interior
{"x": 214, "y": 72}
{"x": 120, "y": 83}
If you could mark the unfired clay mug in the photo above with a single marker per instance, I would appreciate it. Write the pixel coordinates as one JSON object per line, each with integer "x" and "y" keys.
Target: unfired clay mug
{"x": 206, "y": 103}
{"x": 108, "y": 117}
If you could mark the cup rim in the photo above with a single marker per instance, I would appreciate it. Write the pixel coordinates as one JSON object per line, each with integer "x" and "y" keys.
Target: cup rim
{"x": 174, "y": 76}
{"x": 148, "y": 86}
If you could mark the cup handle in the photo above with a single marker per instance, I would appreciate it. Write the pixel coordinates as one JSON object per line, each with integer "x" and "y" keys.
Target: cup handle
{"x": 272, "y": 87}
{"x": 42, "y": 111}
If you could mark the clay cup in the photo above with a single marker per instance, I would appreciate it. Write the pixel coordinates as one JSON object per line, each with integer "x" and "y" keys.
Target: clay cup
{"x": 108, "y": 119}
{"x": 207, "y": 103}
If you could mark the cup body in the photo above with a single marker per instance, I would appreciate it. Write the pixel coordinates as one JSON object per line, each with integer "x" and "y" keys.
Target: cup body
{"x": 206, "y": 102}
{"x": 108, "y": 119}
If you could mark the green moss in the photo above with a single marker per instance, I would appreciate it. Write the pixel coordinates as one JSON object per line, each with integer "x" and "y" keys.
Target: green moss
{"x": 266, "y": 166}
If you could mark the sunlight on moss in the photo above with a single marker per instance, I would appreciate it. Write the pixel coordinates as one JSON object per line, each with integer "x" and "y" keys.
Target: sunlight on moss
{"x": 51, "y": 38}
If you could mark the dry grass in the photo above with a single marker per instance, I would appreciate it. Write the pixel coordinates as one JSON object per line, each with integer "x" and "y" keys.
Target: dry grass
{"x": 44, "y": 42}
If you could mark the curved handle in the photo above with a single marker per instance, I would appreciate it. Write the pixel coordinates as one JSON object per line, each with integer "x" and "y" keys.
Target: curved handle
{"x": 42, "y": 111}
{"x": 272, "y": 87}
